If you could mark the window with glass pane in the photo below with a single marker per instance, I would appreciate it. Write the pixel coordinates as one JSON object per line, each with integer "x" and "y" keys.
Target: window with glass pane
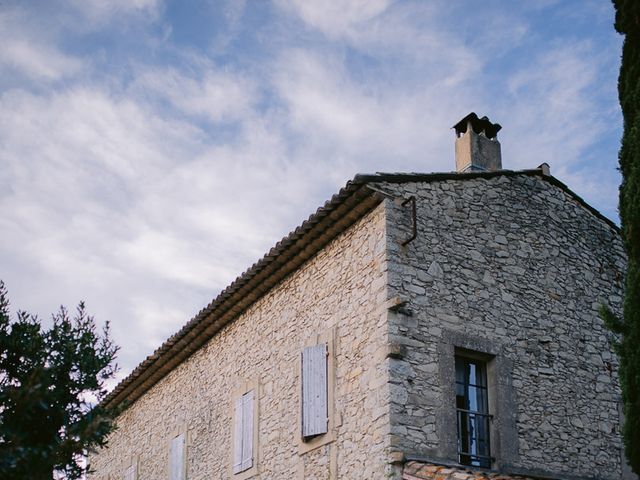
{"x": 473, "y": 412}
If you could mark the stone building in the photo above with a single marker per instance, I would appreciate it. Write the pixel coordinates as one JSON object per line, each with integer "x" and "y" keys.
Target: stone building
{"x": 415, "y": 326}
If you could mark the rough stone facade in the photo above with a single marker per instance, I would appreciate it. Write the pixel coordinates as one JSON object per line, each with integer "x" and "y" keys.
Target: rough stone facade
{"x": 340, "y": 290}
{"x": 510, "y": 266}
{"x": 514, "y": 267}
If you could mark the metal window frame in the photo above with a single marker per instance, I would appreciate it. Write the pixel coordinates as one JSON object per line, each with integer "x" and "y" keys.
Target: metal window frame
{"x": 484, "y": 460}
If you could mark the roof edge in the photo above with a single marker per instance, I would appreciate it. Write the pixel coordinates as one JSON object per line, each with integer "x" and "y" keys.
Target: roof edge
{"x": 344, "y": 208}
{"x": 381, "y": 177}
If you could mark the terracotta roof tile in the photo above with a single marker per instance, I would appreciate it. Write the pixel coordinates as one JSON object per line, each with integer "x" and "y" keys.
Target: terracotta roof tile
{"x": 414, "y": 470}
{"x": 353, "y": 201}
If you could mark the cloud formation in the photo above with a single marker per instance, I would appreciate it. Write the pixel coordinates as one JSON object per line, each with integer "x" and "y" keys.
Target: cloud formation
{"x": 152, "y": 151}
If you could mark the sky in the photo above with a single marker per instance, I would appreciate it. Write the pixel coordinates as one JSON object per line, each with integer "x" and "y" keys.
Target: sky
{"x": 151, "y": 151}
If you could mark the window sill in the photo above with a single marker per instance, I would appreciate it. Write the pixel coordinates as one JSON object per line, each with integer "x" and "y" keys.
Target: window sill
{"x": 317, "y": 442}
{"x": 252, "y": 472}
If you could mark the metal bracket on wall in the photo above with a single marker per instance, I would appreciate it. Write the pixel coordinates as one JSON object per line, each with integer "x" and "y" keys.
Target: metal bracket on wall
{"x": 414, "y": 218}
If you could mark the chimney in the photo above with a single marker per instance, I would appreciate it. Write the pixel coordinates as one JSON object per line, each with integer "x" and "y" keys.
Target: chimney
{"x": 477, "y": 146}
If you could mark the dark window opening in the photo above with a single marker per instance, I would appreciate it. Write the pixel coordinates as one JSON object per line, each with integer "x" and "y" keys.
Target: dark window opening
{"x": 472, "y": 407}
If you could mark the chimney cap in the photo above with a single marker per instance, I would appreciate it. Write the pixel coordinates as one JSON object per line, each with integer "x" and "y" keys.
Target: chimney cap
{"x": 478, "y": 124}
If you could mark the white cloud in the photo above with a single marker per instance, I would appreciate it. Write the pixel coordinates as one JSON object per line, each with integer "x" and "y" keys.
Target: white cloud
{"x": 154, "y": 322}
{"x": 37, "y": 61}
{"x": 77, "y": 165}
{"x": 215, "y": 94}
{"x": 128, "y": 203}
{"x": 366, "y": 127}
{"x": 335, "y": 17}
{"x": 98, "y": 12}
{"x": 32, "y": 54}
{"x": 148, "y": 186}
{"x": 553, "y": 113}
{"x": 553, "y": 107}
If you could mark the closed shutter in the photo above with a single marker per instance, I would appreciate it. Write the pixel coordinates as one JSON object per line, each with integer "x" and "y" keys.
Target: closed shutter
{"x": 130, "y": 473}
{"x": 237, "y": 436}
{"x": 243, "y": 433}
{"x": 247, "y": 430}
{"x": 176, "y": 464}
{"x": 314, "y": 390}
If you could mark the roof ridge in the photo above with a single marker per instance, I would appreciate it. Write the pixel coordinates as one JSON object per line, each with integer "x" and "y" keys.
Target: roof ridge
{"x": 400, "y": 177}
{"x": 357, "y": 195}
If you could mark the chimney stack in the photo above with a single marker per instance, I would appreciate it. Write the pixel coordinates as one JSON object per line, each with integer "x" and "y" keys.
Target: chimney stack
{"x": 477, "y": 146}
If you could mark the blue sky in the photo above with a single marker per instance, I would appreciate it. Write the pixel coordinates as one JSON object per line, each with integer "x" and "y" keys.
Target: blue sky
{"x": 153, "y": 150}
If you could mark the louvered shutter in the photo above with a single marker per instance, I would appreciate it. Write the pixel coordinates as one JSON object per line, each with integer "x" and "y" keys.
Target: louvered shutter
{"x": 177, "y": 458}
{"x": 237, "y": 436}
{"x": 247, "y": 430}
{"x": 314, "y": 390}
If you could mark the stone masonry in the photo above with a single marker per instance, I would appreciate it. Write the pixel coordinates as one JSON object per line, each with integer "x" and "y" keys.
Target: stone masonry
{"x": 510, "y": 265}
{"x": 514, "y": 267}
{"x": 342, "y": 289}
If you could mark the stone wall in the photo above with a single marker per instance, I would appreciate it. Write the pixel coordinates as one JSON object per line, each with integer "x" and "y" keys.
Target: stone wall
{"x": 514, "y": 267}
{"x": 341, "y": 291}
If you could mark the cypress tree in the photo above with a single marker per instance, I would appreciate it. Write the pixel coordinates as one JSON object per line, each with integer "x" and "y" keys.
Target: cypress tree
{"x": 627, "y": 23}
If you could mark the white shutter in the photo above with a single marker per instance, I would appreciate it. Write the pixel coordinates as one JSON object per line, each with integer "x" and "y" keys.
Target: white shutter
{"x": 247, "y": 430}
{"x": 243, "y": 433}
{"x": 237, "y": 436}
{"x": 130, "y": 473}
{"x": 314, "y": 390}
{"x": 176, "y": 463}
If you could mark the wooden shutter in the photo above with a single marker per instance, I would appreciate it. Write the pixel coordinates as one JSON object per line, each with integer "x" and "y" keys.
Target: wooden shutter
{"x": 247, "y": 430}
{"x": 237, "y": 436}
{"x": 177, "y": 458}
{"x": 314, "y": 390}
{"x": 243, "y": 433}
{"x": 130, "y": 473}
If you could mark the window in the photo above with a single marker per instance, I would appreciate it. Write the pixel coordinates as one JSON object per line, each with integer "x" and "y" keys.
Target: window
{"x": 243, "y": 434}
{"x": 315, "y": 402}
{"x": 318, "y": 418}
{"x": 177, "y": 468}
{"x": 472, "y": 407}
{"x": 244, "y": 451}
{"x": 131, "y": 472}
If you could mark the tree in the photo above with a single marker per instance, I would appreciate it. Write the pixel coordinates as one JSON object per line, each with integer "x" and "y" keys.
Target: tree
{"x": 51, "y": 381}
{"x": 628, "y": 24}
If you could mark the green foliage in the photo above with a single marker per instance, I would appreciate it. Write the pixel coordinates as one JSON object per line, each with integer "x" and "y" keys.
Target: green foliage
{"x": 628, "y": 24}
{"x": 612, "y": 322}
{"x": 50, "y": 382}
